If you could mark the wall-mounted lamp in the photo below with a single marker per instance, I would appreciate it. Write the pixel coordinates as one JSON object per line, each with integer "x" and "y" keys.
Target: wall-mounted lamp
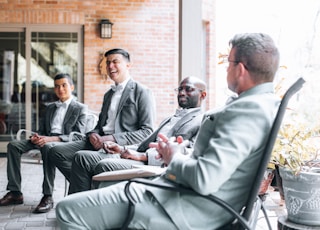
{"x": 106, "y": 28}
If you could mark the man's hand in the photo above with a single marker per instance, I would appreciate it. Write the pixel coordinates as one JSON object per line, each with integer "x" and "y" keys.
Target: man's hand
{"x": 42, "y": 140}
{"x": 133, "y": 155}
{"x": 168, "y": 147}
{"x": 96, "y": 141}
{"x": 111, "y": 147}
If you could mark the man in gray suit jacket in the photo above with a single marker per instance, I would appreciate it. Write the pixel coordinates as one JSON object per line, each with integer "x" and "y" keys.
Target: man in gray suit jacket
{"x": 60, "y": 119}
{"x": 185, "y": 123}
{"x": 230, "y": 141}
{"x": 126, "y": 117}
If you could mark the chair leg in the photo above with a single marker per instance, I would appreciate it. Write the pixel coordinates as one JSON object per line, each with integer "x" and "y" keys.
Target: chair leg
{"x": 266, "y": 216}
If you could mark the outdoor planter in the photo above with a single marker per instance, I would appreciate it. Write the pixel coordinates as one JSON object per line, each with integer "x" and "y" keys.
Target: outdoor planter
{"x": 302, "y": 195}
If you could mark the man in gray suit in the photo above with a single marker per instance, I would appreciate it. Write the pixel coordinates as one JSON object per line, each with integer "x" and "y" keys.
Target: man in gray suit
{"x": 126, "y": 117}
{"x": 230, "y": 141}
{"x": 185, "y": 122}
{"x": 60, "y": 119}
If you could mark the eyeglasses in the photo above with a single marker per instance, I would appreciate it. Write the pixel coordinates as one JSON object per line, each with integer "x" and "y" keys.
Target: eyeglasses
{"x": 237, "y": 62}
{"x": 187, "y": 89}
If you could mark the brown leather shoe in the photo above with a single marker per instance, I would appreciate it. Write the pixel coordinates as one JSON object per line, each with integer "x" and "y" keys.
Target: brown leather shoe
{"x": 45, "y": 205}
{"x": 10, "y": 199}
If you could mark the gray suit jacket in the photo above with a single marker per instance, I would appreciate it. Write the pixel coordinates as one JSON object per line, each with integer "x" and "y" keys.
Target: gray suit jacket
{"x": 224, "y": 161}
{"x": 187, "y": 127}
{"x": 135, "y": 115}
{"x": 74, "y": 120}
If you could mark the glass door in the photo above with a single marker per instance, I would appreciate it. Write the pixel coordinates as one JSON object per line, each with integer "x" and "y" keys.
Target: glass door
{"x": 29, "y": 59}
{"x": 12, "y": 104}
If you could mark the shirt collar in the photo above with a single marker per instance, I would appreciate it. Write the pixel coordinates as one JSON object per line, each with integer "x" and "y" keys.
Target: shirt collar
{"x": 182, "y": 111}
{"x": 120, "y": 86}
{"x": 65, "y": 103}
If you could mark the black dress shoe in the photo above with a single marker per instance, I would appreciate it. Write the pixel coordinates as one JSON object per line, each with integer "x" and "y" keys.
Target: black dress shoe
{"x": 45, "y": 205}
{"x": 10, "y": 198}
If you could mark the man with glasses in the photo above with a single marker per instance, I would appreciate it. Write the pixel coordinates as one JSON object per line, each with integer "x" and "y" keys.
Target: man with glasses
{"x": 230, "y": 142}
{"x": 185, "y": 123}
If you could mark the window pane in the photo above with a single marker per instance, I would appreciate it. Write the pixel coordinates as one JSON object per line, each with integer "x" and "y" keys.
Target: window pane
{"x": 52, "y": 53}
{"x": 12, "y": 105}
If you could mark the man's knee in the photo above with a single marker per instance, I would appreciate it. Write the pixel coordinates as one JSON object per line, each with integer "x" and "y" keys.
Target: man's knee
{"x": 55, "y": 152}
{"x": 103, "y": 166}
{"x": 81, "y": 157}
{"x": 46, "y": 148}
{"x": 12, "y": 145}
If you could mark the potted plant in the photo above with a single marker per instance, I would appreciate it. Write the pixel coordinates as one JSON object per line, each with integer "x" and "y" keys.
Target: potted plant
{"x": 296, "y": 155}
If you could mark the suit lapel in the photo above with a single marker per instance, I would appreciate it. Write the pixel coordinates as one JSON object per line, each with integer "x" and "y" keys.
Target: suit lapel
{"x": 125, "y": 95}
{"x": 153, "y": 137}
{"x": 104, "y": 113}
{"x": 185, "y": 119}
{"x": 68, "y": 113}
{"x": 51, "y": 111}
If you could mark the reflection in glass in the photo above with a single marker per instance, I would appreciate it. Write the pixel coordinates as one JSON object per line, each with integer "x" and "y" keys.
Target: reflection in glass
{"x": 51, "y": 53}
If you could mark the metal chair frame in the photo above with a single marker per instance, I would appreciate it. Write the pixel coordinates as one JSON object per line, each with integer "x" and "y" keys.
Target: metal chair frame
{"x": 35, "y": 154}
{"x": 248, "y": 217}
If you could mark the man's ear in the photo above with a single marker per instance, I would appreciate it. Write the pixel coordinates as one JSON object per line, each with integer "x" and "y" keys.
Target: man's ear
{"x": 129, "y": 64}
{"x": 203, "y": 95}
{"x": 242, "y": 69}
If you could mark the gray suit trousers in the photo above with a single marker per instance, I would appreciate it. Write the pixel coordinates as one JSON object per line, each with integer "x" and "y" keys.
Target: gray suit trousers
{"x": 62, "y": 155}
{"x": 111, "y": 201}
{"x": 88, "y": 163}
{"x": 15, "y": 150}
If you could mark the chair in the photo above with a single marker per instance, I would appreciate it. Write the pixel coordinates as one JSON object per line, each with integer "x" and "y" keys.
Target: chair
{"x": 91, "y": 123}
{"x": 35, "y": 154}
{"x": 248, "y": 217}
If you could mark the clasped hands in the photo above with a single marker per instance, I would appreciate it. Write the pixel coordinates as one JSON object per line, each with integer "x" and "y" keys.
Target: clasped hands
{"x": 97, "y": 141}
{"x": 40, "y": 141}
{"x": 168, "y": 147}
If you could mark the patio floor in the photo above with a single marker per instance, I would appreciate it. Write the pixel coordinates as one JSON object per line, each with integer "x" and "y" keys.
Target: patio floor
{"x": 21, "y": 216}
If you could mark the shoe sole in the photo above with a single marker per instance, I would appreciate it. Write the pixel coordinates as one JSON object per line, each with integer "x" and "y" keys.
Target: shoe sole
{"x": 36, "y": 211}
{"x": 12, "y": 203}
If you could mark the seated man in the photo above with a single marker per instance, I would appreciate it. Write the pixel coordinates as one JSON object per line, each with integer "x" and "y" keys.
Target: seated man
{"x": 60, "y": 119}
{"x": 185, "y": 122}
{"x": 126, "y": 117}
{"x": 229, "y": 143}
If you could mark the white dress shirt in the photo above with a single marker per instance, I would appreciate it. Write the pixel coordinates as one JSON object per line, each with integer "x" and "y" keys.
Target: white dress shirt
{"x": 113, "y": 108}
{"x": 57, "y": 121}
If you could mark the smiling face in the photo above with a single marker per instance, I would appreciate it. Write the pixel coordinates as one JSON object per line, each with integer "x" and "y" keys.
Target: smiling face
{"x": 63, "y": 89}
{"x": 190, "y": 93}
{"x": 117, "y": 67}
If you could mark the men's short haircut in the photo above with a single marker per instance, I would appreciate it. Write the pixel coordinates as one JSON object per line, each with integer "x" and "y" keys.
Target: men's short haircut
{"x": 64, "y": 75}
{"x": 123, "y": 52}
{"x": 257, "y": 51}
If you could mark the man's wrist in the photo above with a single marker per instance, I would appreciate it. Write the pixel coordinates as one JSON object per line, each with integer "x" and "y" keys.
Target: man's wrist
{"x": 144, "y": 157}
{"x": 123, "y": 149}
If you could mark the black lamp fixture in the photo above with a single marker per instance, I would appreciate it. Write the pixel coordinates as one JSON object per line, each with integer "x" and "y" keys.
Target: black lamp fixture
{"x": 106, "y": 28}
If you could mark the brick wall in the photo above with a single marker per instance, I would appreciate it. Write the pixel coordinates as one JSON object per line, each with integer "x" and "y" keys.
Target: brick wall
{"x": 148, "y": 29}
